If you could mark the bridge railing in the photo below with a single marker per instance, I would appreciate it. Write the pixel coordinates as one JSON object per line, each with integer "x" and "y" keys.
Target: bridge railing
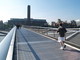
{"x": 7, "y": 45}
{"x": 49, "y": 31}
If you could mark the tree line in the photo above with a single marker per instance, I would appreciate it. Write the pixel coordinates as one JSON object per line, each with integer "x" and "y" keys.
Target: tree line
{"x": 71, "y": 24}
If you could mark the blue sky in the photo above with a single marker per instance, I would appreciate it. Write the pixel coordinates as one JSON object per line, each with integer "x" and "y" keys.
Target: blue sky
{"x": 51, "y": 10}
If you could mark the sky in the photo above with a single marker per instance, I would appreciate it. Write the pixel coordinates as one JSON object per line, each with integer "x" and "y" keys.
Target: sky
{"x": 51, "y": 10}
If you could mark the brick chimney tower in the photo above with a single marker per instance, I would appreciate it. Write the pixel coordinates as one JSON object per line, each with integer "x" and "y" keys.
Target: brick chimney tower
{"x": 28, "y": 12}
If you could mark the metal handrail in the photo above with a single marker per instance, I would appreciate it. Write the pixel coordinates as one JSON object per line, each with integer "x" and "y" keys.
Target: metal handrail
{"x": 7, "y": 45}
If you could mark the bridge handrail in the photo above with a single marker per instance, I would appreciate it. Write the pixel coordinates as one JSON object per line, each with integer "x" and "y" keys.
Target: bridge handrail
{"x": 7, "y": 45}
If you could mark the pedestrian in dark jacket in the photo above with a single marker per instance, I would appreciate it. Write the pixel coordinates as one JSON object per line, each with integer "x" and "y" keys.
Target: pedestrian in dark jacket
{"x": 61, "y": 30}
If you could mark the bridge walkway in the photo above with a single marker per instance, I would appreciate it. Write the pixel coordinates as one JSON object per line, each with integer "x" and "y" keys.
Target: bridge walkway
{"x": 32, "y": 46}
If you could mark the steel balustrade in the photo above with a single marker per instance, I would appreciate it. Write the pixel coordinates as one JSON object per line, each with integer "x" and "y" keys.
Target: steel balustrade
{"x": 7, "y": 45}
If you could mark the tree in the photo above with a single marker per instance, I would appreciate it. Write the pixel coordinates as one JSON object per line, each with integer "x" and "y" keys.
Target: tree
{"x": 59, "y": 21}
{"x": 73, "y": 23}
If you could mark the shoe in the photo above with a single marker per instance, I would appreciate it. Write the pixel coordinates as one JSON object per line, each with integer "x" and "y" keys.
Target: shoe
{"x": 62, "y": 48}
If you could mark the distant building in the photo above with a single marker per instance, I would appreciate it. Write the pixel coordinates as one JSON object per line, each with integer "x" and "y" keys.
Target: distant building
{"x": 53, "y": 23}
{"x": 38, "y": 22}
{"x": 15, "y": 21}
{"x": 28, "y": 21}
{"x": 33, "y": 22}
{"x": 1, "y": 24}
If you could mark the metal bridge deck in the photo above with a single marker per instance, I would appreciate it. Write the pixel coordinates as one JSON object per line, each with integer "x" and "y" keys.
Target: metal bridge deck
{"x": 32, "y": 46}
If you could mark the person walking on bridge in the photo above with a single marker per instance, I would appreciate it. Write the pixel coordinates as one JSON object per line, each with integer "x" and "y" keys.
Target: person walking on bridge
{"x": 61, "y": 30}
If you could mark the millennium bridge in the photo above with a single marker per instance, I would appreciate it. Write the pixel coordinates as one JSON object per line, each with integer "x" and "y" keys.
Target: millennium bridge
{"x": 39, "y": 43}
